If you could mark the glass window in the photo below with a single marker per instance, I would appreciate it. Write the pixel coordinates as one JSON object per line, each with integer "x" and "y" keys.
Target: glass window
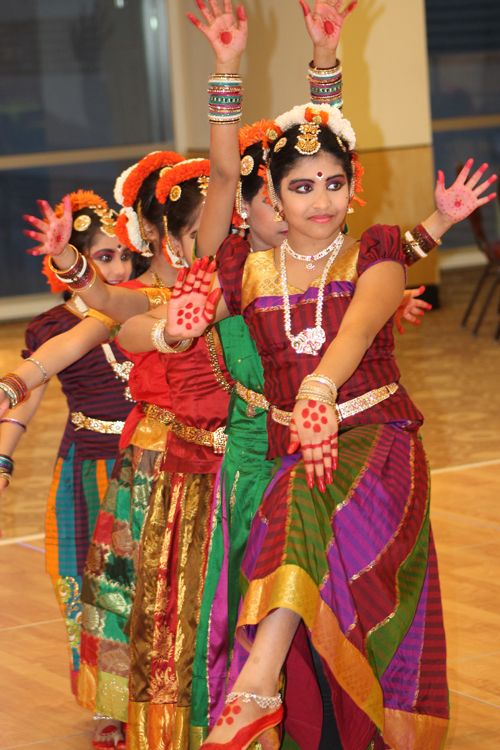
{"x": 74, "y": 75}
{"x": 464, "y": 63}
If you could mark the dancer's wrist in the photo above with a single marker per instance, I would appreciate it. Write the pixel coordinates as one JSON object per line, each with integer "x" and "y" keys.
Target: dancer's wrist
{"x": 229, "y": 67}
{"x": 324, "y": 58}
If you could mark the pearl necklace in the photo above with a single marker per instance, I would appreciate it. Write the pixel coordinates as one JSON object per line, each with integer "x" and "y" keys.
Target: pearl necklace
{"x": 311, "y": 259}
{"x": 311, "y": 340}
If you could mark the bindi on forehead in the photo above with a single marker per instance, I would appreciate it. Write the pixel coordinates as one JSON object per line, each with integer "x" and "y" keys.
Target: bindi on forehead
{"x": 320, "y": 175}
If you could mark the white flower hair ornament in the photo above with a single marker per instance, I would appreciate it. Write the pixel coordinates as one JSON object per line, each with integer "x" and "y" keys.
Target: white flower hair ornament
{"x": 327, "y": 114}
{"x": 128, "y": 231}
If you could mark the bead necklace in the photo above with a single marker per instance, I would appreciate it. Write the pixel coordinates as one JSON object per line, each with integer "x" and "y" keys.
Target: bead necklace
{"x": 311, "y": 259}
{"x": 311, "y": 340}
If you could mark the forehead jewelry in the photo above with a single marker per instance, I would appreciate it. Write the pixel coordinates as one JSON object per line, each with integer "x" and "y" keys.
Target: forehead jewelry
{"x": 310, "y": 340}
{"x": 307, "y": 141}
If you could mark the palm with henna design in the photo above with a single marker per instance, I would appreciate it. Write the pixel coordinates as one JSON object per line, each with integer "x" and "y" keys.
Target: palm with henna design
{"x": 463, "y": 197}
{"x": 325, "y": 23}
{"x": 53, "y": 233}
{"x": 313, "y": 429}
{"x": 191, "y": 308}
{"x": 227, "y": 37}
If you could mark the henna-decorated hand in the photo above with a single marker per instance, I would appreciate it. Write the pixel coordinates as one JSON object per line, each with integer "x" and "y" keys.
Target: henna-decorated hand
{"x": 53, "y": 233}
{"x": 227, "y": 37}
{"x": 411, "y": 308}
{"x": 324, "y": 24}
{"x": 314, "y": 429}
{"x": 462, "y": 198}
{"x": 191, "y": 308}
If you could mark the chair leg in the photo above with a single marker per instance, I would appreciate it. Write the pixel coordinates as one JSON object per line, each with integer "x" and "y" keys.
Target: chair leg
{"x": 476, "y": 293}
{"x": 486, "y": 303}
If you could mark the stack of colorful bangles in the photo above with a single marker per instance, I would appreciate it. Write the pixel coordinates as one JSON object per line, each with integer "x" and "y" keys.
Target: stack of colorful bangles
{"x": 225, "y": 92}
{"x": 325, "y": 85}
{"x": 80, "y": 277}
{"x": 15, "y": 388}
{"x": 308, "y": 391}
{"x": 6, "y": 468}
{"x": 418, "y": 243}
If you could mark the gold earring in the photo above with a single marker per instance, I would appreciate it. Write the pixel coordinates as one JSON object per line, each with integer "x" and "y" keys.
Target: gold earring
{"x": 147, "y": 249}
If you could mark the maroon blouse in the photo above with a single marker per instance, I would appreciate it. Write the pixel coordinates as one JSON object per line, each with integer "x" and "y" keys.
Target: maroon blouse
{"x": 90, "y": 387}
{"x": 251, "y": 285}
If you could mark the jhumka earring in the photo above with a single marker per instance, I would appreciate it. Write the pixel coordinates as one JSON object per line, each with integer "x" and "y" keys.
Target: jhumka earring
{"x": 174, "y": 258}
{"x": 239, "y": 208}
{"x": 350, "y": 208}
{"x": 146, "y": 244}
{"x": 280, "y": 216}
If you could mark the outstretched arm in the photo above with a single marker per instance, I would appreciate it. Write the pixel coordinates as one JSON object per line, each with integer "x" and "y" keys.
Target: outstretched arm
{"x": 460, "y": 200}
{"x": 12, "y": 432}
{"x": 53, "y": 235}
{"x": 58, "y": 353}
{"x": 227, "y": 35}
{"x": 324, "y": 25}
{"x": 190, "y": 310}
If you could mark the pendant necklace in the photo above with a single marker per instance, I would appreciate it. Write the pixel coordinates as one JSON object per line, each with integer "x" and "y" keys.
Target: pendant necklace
{"x": 311, "y": 260}
{"x": 311, "y": 340}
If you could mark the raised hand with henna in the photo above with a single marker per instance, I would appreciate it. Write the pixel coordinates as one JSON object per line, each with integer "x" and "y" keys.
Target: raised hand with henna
{"x": 464, "y": 196}
{"x": 226, "y": 33}
{"x": 314, "y": 431}
{"x": 325, "y": 22}
{"x": 191, "y": 307}
{"x": 52, "y": 233}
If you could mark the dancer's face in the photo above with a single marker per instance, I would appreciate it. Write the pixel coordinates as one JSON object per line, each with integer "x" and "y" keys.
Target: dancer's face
{"x": 113, "y": 260}
{"x": 315, "y": 196}
{"x": 185, "y": 240}
{"x": 265, "y": 232}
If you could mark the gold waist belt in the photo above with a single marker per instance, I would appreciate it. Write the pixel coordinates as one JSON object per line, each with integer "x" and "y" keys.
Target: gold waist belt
{"x": 252, "y": 398}
{"x": 348, "y": 408}
{"x": 216, "y": 440}
{"x": 82, "y": 422}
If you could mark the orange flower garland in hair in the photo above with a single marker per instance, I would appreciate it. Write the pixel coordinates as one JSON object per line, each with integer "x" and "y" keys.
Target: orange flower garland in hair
{"x": 358, "y": 174}
{"x": 128, "y": 185}
{"x": 256, "y": 133}
{"x": 79, "y": 200}
{"x": 182, "y": 172}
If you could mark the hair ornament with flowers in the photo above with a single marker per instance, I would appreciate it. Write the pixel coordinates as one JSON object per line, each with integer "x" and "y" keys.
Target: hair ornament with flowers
{"x": 129, "y": 226}
{"x": 80, "y": 200}
{"x": 169, "y": 186}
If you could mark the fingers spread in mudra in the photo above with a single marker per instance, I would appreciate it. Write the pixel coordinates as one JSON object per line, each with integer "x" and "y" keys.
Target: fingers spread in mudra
{"x": 192, "y": 307}
{"x": 53, "y": 232}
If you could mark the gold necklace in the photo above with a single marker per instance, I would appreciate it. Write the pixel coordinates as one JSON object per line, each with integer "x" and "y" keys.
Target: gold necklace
{"x": 311, "y": 259}
{"x": 158, "y": 283}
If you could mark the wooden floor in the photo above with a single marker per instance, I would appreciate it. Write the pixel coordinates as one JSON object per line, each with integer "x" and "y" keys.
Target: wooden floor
{"x": 455, "y": 382}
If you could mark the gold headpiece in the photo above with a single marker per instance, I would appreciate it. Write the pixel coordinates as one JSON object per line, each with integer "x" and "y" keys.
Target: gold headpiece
{"x": 175, "y": 193}
{"x": 307, "y": 142}
{"x": 281, "y": 143}
{"x": 147, "y": 253}
{"x": 106, "y": 216}
{"x": 247, "y": 164}
{"x": 203, "y": 181}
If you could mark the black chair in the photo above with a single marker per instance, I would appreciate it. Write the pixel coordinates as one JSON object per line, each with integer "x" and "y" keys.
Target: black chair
{"x": 492, "y": 253}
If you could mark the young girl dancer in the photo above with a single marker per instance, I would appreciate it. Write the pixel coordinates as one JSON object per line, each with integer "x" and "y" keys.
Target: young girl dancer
{"x": 93, "y": 379}
{"x": 306, "y": 558}
{"x": 175, "y": 535}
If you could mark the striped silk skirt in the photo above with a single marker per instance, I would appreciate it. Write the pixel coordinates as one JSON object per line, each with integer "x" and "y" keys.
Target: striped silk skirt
{"x": 76, "y": 493}
{"x": 109, "y": 583}
{"x": 358, "y": 564}
{"x": 166, "y": 611}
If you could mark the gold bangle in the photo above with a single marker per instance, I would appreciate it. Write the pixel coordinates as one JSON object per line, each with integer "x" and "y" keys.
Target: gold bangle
{"x": 67, "y": 270}
{"x": 159, "y": 343}
{"x": 5, "y": 475}
{"x": 321, "y": 399}
{"x": 305, "y": 392}
{"x": 322, "y": 379}
{"x": 42, "y": 368}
